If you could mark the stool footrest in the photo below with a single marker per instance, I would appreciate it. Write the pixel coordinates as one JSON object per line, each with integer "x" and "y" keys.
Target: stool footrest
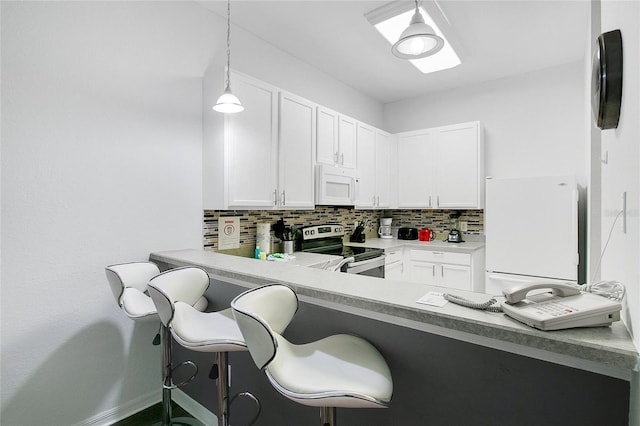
{"x": 251, "y": 397}
{"x": 189, "y": 379}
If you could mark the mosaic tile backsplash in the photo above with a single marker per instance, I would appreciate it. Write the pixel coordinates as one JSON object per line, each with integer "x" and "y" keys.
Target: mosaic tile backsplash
{"x": 438, "y": 220}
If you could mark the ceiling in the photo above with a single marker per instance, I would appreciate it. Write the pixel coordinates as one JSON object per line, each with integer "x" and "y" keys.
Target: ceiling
{"x": 495, "y": 39}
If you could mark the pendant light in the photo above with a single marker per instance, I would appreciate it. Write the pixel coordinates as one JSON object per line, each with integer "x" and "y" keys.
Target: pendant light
{"x": 228, "y": 103}
{"x": 418, "y": 40}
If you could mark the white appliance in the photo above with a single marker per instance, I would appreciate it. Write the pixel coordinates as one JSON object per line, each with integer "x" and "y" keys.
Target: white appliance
{"x": 335, "y": 186}
{"x": 384, "y": 231}
{"x": 531, "y": 228}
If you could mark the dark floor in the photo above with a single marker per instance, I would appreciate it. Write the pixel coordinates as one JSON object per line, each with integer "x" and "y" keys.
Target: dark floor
{"x": 153, "y": 415}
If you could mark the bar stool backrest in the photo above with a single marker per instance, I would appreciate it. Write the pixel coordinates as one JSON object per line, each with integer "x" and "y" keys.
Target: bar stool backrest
{"x": 132, "y": 277}
{"x": 187, "y": 284}
{"x": 263, "y": 313}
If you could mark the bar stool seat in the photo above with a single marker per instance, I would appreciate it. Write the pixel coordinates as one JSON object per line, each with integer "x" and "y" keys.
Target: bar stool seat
{"x": 129, "y": 285}
{"x": 172, "y": 293}
{"x": 206, "y": 331}
{"x": 337, "y": 371}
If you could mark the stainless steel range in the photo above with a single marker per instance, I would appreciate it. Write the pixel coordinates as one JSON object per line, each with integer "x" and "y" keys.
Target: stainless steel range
{"x": 327, "y": 239}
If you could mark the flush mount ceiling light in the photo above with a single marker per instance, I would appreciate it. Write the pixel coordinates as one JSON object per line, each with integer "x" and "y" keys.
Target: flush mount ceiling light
{"x": 391, "y": 22}
{"x": 418, "y": 40}
{"x": 228, "y": 103}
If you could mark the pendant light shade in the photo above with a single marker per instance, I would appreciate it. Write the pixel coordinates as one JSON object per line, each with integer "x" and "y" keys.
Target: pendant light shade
{"x": 418, "y": 40}
{"x": 228, "y": 103}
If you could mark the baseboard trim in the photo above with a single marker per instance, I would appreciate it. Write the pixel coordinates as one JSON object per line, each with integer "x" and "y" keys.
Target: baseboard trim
{"x": 123, "y": 411}
{"x": 193, "y": 407}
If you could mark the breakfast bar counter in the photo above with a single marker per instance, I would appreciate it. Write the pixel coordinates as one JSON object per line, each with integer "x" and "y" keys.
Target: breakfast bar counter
{"x": 450, "y": 364}
{"x": 605, "y": 350}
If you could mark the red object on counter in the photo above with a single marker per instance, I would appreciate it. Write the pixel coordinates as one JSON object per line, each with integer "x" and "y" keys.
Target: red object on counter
{"x": 426, "y": 234}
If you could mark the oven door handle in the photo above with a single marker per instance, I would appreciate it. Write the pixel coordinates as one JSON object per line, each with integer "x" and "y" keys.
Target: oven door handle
{"x": 344, "y": 261}
{"x": 363, "y": 265}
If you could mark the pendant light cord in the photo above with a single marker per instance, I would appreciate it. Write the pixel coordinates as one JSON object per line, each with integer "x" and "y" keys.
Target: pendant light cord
{"x": 228, "y": 43}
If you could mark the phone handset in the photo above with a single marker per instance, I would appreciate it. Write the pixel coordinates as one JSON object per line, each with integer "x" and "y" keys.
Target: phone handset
{"x": 517, "y": 293}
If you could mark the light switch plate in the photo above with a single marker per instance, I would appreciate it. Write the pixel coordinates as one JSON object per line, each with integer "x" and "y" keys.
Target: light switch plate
{"x": 463, "y": 225}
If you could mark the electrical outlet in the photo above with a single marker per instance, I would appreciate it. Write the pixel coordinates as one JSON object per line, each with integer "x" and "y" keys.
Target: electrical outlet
{"x": 463, "y": 225}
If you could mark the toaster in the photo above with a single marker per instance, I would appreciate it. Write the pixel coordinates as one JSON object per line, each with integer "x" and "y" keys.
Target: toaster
{"x": 408, "y": 233}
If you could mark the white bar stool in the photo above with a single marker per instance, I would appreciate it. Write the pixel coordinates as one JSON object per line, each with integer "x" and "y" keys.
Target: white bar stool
{"x": 172, "y": 293}
{"x": 337, "y": 371}
{"x": 128, "y": 282}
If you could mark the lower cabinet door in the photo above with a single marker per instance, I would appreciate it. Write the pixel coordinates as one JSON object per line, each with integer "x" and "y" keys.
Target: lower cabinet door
{"x": 455, "y": 276}
{"x": 393, "y": 271}
{"x": 423, "y": 272}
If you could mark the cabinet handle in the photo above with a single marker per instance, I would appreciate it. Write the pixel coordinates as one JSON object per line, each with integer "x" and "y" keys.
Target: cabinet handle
{"x": 438, "y": 200}
{"x": 282, "y": 199}
{"x": 429, "y": 200}
{"x": 378, "y": 202}
{"x": 433, "y": 269}
{"x": 374, "y": 200}
{"x": 342, "y": 159}
{"x": 275, "y": 197}
{"x": 442, "y": 270}
{"x": 335, "y": 157}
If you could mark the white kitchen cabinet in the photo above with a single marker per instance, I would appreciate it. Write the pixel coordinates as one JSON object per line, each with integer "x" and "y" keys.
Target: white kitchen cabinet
{"x": 376, "y": 159}
{"x": 393, "y": 264}
{"x": 415, "y": 163}
{"x": 386, "y": 169}
{"x": 442, "y": 167}
{"x": 459, "y": 177}
{"x": 453, "y": 270}
{"x": 366, "y": 174}
{"x": 336, "y": 139}
{"x": 296, "y": 139}
{"x": 261, "y": 158}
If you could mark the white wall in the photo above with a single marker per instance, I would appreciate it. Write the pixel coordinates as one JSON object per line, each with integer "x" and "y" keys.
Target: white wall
{"x": 101, "y": 152}
{"x": 534, "y": 123}
{"x": 255, "y": 57}
{"x": 621, "y": 173}
{"x": 101, "y": 163}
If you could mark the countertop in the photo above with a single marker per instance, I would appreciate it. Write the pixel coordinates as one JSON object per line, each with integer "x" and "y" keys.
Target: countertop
{"x": 604, "y": 350}
{"x": 314, "y": 260}
{"x": 470, "y": 245}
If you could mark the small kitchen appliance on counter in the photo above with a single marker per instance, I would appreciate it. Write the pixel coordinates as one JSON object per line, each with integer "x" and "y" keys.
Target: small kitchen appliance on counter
{"x": 426, "y": 234}
{"x": 384, "y": 231}
{"x": 408, "y": 233}
{"x": 455, "y": 236}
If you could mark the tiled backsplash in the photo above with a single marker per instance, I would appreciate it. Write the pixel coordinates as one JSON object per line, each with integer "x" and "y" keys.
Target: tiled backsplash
{"x": 438, "y": 220}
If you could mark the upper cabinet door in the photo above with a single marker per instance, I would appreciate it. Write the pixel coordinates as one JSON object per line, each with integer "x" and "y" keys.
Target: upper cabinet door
{"x": 251, "y": 145}
{"x": 327, "y": 136}
{"x": 415, "y": 166}
{"x": 297, "y": 133}
{"x": 347, "y": 142}
{"x": 386, "y": 169}
{"x": 366, "y": 175}
{"x": 459, "y": 177}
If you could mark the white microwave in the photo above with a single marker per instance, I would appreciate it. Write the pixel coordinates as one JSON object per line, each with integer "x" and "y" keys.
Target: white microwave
{"x": 335, "y": 186}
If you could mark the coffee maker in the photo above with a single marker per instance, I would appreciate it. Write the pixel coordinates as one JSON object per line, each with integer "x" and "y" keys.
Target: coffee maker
{"x": 384, "y": 231}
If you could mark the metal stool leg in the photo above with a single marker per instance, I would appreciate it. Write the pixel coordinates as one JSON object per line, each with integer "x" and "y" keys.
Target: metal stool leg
{"x": 327, "y": 416}
{"x": 222, "y": 360}
{"x": 167, "y": 382}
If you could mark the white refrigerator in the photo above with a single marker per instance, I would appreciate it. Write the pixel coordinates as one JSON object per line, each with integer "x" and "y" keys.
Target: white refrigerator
{"x": 531, "y": 231}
